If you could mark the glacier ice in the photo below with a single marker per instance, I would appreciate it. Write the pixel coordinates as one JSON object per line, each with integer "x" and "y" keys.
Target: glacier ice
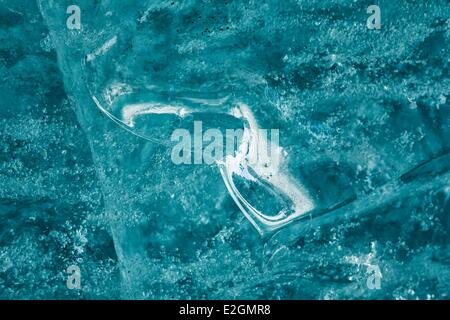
{"x": 364, "y": 128}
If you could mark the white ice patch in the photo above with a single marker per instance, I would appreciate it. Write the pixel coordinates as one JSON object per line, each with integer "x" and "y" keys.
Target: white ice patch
{"x": 102, "y": 50}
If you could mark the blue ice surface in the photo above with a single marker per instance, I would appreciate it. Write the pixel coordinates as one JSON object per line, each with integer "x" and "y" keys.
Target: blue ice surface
{"x": 363, "y": 114}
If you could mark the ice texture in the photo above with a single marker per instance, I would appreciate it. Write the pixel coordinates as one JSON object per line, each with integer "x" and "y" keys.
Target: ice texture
{"x": 364, "y": 123}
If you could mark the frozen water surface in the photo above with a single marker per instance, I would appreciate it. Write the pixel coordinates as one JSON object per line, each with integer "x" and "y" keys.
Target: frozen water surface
{"x": 87, "y": 177}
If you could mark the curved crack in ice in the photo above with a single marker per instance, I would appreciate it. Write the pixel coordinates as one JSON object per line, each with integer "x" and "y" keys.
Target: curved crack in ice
{"x": 247, "y": 157}
{"x": 246, "y": 163}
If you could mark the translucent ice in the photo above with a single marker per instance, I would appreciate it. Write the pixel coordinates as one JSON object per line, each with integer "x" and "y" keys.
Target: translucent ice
{"x": 364, "y": 138}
